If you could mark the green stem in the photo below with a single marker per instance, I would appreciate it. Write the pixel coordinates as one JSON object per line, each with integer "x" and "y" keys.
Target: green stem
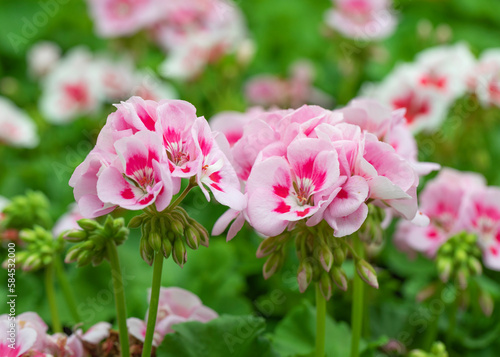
{"x": 357, "y": 302}
{"x": 153, "y": 304}
{"x": 68, "y": 293}
{"x": 121, "y": 308}
{"x": 453, "y": 321}
{"x": 51, "y": 298}
{"x": 184, "y": 193}
{"x": 320, "y": 322}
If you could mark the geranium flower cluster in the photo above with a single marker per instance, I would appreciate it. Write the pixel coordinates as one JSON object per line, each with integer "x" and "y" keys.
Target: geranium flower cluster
{"x": 16, "y": 127}
{"x": 81, "y": 82}
{"x": 31, "y": 338}
{"x": 175, "y": 306}
{"x": 193, "y": 32}
{"x": 362, "y": 19}
{"x": 313, "y": 164}
{"x": 269, "y": 90}
{"x": 456, "y": 202}
{"x": 144, "y": 151}
{"x": 429, "y": 86}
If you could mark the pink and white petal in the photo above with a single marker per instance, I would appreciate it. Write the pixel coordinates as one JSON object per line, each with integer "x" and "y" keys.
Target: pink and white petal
{"x": 204, "y": 139}
{"x": 97, "y": 333}
{"x": 164, "y": 326}
{"x": 26, "y": 338}
{"x": 236, "y": 227}
{"x": 91, "y": 206}
{"x": 137, "y": 328}
{"x": 351, "y": 196}
{"x": 344, "y": 226}
{"x": 491, "y": 257}
{"x": 179, "y": 301}
{"x": 265, "y": 213}
{"x": 165, "y": 195}
{"x": 408, "y": 208}
{"x": 74, "y": 346}
{"x": 223, "y": 222}
{"x": 203, "y": 314}
{"x": 382, "y": 188}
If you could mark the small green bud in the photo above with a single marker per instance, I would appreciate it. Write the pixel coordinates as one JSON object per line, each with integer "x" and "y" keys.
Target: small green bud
{"x": 417, "y": 353}
{"x": 475, "y": 266}
{"x": 462, "y": 278}
{"x": 266, "y": 247}
{"x": 438, "y": 349}
{"x": 72, "y": 254}
{"x": 84, "y": 258}
{"x": 136, "y": 221}
{"x": 338, "y": 256}
{"x": 147, "y": 253}
{"x": 339, "y": 277}
{"x": 155, "y": 241}
{"x": 326, "y": 258}
{"x": 486, "y": 303}
{"x": 461, "y": 256}
{"x": 272, "y": 264}
{"x": 444, "y": 267}
{"x": 367, "y": 273}
{"x": 88, "y": 224}
{"x": 192, "y": 238}
{"x": 166, "y": 247}
{"x": 325, "y": 285}
{"x": 180, "y": 252}
{"x": 177, "y": 227}
{"x": 304, "y": 275}
{"x": 76, "y": 236}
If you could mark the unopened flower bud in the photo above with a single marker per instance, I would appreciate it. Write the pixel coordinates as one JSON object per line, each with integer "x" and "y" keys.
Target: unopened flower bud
{"x": 147, "y": 253}
{"x": 84, "y": 258}
{"x": 88, "y": 224}
{"x": 154, "y": 241}
{"x": 460, "y": 256}
{"x": 272, "y": 264}
{"x": 180, "y": 252}
{"x": 462, "y": 278}
{"x": 325, "y": 285}
{"x": 177, "y": 227}
{"x": 76, "y": 236}
{"x": 444, "y": 266}
{"x": 266, "y": 247}
{"x": 486, "y": 303}
{"x": 136, "y": 221}
{"x": 72, "y": 254}
{"x": 339, "y": 278}
{"x": 326, "y": 258}
{"x": 475, "y": 266}
{"x": 438, "y": 349}
{"x": 338, "y": 256}
{"x": 417, "y": 353}
{"x": 192, "y": 238}
{"x": 32, "y": 262}
{"x": 166, "y": 247}
{"x": 304, "y": 275}
{"x": 367, "y": 273}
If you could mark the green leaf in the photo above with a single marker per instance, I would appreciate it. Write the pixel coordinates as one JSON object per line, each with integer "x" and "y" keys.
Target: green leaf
{"x": 295, "y": 335}
{"x": 225, "y": 336}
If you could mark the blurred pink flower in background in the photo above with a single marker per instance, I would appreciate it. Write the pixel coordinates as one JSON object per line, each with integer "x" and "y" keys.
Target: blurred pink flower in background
{"x": 362, "y": 19}
{"x": 485, "y": 78}
{"x": 16, "y": 128}
{"x": 176, "y": 305}
{"x": 42, "y": 58}
{"x": 67, "y": 221}
{"x": 114, "y": 18}
{"x": 269, "y": 90}
{"x": 456, "y": 201}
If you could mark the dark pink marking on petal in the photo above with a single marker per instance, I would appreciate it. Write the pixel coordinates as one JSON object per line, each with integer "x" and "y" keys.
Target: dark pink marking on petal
{"x": 146, "y": 199}
{"x": 127, "y": 193}
{"x": 185, "y": 169}
{"x": 147, "y": 120}
{"x": 343, "y": 194}
{"x": 217, "y": 187}
{"x": 494, "y": 250}
{"x": 282, "y": 208}
{"x": 303, "y": 213}
{"x": 135, "y": 163}
{"x": 215, "y": 177}
{"x": 281, "y": 191}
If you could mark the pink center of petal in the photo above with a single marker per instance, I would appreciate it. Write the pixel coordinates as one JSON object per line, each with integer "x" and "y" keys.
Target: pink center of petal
{"x": 432, "y": 80}
{"x": 413, "y": 105}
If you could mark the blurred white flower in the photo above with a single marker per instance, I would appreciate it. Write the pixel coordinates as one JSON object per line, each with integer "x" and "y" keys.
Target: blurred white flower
{"x": 42, "y": 57}
{"x": 16, "y": 127}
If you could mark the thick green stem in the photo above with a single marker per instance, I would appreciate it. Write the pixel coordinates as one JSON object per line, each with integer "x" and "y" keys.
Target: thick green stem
{"x": 153, "y": 304}
{"x": 51, "y": 298}
{"x": 320, "y": 322}
{"x": 66, "y": 288}
{"x": 357, "y": 302}
{"x": 121, "y": 308}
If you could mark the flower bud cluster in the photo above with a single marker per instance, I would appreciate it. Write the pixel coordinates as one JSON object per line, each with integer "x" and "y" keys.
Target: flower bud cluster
{"x": 27, "y": 211}
{"x": 169, "y": 232}
{"x": 458, "y": 259}
{"x": 41, "y": 247}
{"x": 92, "y": 240}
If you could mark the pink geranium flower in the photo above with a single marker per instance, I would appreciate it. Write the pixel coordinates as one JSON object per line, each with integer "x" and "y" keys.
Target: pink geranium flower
{"x": 176, "y": 305}
{"x": 16, "y": 128}
{"x": 140, "y": 177}
{"x": 362, "y": 19}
